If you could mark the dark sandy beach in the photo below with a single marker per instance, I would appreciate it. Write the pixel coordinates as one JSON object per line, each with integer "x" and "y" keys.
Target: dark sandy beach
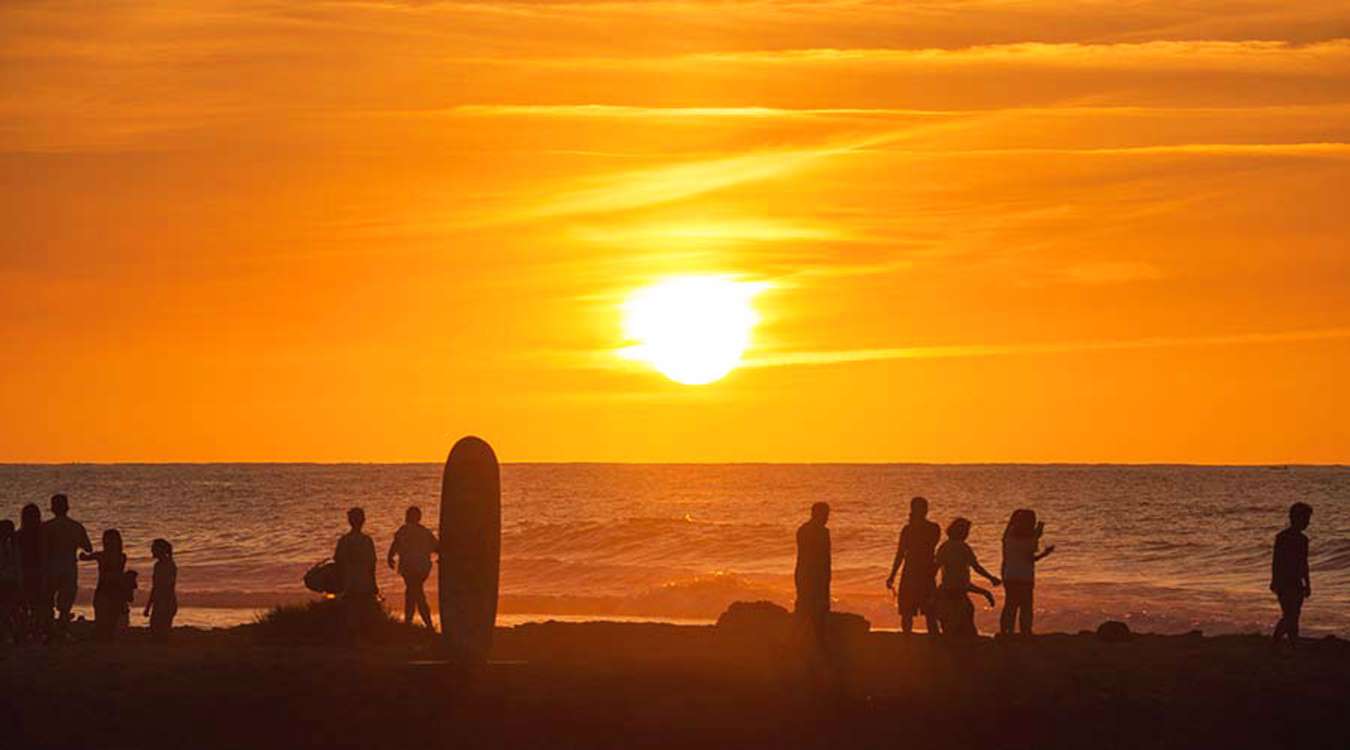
{"x": 653, "y": 685}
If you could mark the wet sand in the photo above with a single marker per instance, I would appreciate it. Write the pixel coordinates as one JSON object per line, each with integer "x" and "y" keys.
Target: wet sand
{"x": 638, "y": 685}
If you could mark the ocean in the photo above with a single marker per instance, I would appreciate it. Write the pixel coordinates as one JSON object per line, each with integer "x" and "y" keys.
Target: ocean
{"x": 1164, "y": 548}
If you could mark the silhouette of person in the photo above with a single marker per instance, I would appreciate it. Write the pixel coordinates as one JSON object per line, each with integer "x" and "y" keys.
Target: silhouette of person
{"x": 10, "y": 581}
{"x": 110, "y": 594}
{"x": 1289, "y": 573}
{"x": 1021, "y": 542}
{"x": 956, "y": 559}
{"x": 63, "y": 537}
{"x": 35, "y": 603}
{"x": 413, "y": 544}
{"x": 162, "y": 604}
{"x": 355, "y": 558}
{"x": 812, "y": 574}
{"x": 915, "y": 550}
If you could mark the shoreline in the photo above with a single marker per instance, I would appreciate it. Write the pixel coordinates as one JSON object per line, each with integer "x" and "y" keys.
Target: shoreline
{"x": 654, "y": 684}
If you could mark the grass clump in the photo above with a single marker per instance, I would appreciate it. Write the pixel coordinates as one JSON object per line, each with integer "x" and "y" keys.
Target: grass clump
{"x": 334, "y": 621}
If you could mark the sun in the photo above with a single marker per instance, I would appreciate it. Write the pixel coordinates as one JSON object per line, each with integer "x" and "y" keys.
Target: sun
{"x": 692, "y": 329}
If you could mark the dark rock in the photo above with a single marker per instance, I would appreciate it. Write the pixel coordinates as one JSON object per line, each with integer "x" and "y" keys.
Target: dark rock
{"x": 754, "y": 617}
{"x": 1113, "y": 631}
{"x": 847, "y": 625}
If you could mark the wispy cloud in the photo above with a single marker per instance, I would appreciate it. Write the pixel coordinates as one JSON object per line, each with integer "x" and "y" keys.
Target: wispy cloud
{"x": 962, "y": 351}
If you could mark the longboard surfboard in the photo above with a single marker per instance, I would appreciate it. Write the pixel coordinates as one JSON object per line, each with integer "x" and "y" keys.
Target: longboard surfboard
{"x": 470, "y": 556}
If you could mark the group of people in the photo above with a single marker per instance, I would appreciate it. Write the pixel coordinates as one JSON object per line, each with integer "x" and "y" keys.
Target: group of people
{"x": 409, "y": 553}
{"x": 39, "y": 577}
{"x": 935, "y": 580}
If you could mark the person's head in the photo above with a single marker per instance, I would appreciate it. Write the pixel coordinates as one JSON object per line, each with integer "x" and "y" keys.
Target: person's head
{"x": 112, "y": 541}
{"x": 959, "y": 529}
{"x": 1300, "y": 515}
{"x": 918, "y": 508}
{"x": 357, "y": 518}
{"x": 160, "y": 549}
{"x": 30, "y": 517}
{"x": 413, "y": 515}
{"x": 60, "y": 505}
{"x": 820, "y": 513}
{"x": 1022, "y": 523}
{"x": 6, "y": 530}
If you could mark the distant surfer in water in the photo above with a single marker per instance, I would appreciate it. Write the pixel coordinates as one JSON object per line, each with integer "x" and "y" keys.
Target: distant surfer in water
{"x": 1289, "y": 573}
{"x": 918, "y": 540}
{"x": 812, "y": 574}
{"x": 413, "y": 544}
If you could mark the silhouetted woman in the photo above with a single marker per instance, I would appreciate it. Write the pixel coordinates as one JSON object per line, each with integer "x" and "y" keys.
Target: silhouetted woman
{"x": 1021, "y": 542}
{"x": 955, "y": 558}
{"x": 34, "y": 606}
{"x": 163, "y": 602}
{"x": 110, "y": 596}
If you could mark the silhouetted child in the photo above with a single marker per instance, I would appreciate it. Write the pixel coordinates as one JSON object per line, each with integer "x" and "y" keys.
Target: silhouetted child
{"x": 413, "y": 544}
{"x": 10, "y": 581}
{"x": 162, "y": 604}
{"x": 1021, "y": 541}
{"x": 956, "y": 559}
{"x": 1289, "y": 573}
{"x": 110, "y": 596}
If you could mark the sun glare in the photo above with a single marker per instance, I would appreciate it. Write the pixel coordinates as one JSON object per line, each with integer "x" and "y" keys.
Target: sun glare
{"x": 692, "y": 329}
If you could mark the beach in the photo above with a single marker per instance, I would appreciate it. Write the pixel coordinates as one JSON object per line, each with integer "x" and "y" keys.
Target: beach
{"x": 604, "y": 684}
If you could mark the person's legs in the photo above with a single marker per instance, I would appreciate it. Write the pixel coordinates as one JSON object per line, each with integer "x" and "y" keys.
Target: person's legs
{"x": 409, "y": 598}
{"x": 1009, "y": 613}
{"x": 65, "y": 584}
{"x": 1291, "y": 608}
{"x": 907, "y": 622}
{"x": 1028, "y": 609}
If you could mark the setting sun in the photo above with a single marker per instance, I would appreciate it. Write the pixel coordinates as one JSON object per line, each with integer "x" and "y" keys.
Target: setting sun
{"x": 693, "y": 329}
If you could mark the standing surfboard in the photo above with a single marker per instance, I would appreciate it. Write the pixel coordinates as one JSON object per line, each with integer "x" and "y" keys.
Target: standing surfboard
{"x": 471, "y": 544}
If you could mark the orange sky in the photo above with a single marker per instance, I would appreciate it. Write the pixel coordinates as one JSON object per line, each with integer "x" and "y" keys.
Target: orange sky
{"x": 994, "y": 231}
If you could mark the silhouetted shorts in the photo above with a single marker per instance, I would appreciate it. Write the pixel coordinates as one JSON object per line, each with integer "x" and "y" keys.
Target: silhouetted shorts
{"x": 916, "y": 595}
{"x": 1291, "y": 603}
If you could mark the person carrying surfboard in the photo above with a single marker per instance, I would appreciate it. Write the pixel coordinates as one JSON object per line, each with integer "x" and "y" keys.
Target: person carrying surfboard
{"x": 413, "y": 544}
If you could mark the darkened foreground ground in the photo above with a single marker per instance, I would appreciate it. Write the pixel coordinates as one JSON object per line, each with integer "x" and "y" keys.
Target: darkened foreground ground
{"x": 641, "y": 686}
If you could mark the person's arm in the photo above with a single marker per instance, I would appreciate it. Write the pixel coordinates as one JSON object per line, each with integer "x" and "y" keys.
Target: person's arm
{"x": 1303, "y": 572}
{"x": 150, "y": 600}
{"x": 989, "y": 596}
{"x": 978, "y": 568}
{"x": 1044, "y": 553}
{"x": 899, "y": 558}
{"x": 393, "y": 550}
{"x": 87, "y": 556}
{"x": 85, "y": 544}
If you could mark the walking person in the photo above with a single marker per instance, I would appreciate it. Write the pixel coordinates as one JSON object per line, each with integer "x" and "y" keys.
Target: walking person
{"x": 1021, "y": 552}
{"x": 956, "y": 559}
{"x": 162, "y": 604}
{"x": 812, "y": 574}
{"x": 1289, "y": 578}
{"x": 35, "y": 607}
{"x": 915, "y": 551}
{"x": 63, "y": 537}
{"x": 413, "y": 544}
{"x": 110, "y": 594}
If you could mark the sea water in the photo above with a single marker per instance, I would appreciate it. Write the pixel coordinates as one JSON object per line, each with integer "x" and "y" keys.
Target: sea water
{"x": 1164, "y": 548}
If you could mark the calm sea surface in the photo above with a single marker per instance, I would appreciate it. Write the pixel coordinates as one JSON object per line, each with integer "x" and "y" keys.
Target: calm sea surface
{"x": 1165, "y": 548}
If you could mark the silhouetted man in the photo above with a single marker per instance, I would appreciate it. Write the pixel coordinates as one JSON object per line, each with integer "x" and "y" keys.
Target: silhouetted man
{"x": 62, "y": 538}
{"x": 355, "y": 558}
{"x": 813, "y": 572}
{"x": 918, "y": 541}
{"x": 413, "y": 544}
{"x": 1289, "y": 573}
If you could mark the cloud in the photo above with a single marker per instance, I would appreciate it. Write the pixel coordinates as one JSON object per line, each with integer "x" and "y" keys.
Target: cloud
{"x": 785, "y": 359}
